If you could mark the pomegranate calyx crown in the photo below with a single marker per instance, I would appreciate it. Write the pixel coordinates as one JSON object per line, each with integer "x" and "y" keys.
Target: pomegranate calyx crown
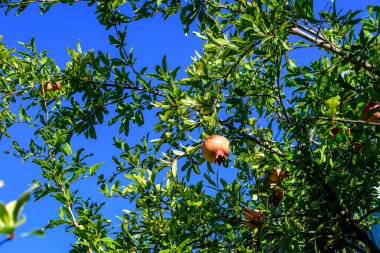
{"x": 220, "y": 157}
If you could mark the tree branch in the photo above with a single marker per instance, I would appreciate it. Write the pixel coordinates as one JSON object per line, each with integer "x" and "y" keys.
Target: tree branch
{"x": 23, "y": 3}
{"x": 348, "y": 121}
{"x": 9, "y": 238}
{"x": 308, "y": 215}
{"x": 278, "y": 98}
{"x": 328, "y": 46}
{"x": 250, "y": 95}
{"x": 346, "y": 223}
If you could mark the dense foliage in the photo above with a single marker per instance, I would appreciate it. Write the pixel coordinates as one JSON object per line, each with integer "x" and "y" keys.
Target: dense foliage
{"x": 246, "y": 85}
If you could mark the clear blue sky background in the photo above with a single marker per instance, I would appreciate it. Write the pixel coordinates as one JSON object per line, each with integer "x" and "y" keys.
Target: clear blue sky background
{"x": 62, "y": 27}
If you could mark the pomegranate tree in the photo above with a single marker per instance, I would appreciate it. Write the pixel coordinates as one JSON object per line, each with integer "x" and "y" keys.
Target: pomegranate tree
{"x": 216, "y": 149}
{"x": 373, "y": 117}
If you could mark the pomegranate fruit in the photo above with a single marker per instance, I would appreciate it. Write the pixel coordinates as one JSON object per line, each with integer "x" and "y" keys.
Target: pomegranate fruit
{"x": 357, "y": 147}
{"x": 48, "y": 86}
{"x": 374, "y": 117}
{"x": 52, "y": 86}
{"x": 254, "y": 218}
{"x": 273, "y": 185}
{"x": 57, "y": 86}
{"x": 216, "y": 149}
{"x": 277, "y": 194}
{"x": 335, "y": 131}
{"x": 277, "y": 175}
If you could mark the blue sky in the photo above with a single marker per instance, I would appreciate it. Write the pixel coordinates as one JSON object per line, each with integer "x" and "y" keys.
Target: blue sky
{"x": 62, "y": 27}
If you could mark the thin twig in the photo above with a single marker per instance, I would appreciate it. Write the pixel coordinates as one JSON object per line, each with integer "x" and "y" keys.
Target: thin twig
{"x": 73, "y": 219}
{"x": 362, "y": 122}
{"x": 278, "y": 98}
{"x": 317, "y": 33}
{"x": 6, "y": 240}
{"x": 303, "y": 215}
{"x": 251, "y": 95}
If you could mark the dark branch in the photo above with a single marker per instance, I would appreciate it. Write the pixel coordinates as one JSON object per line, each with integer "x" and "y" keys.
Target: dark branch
{"x": 9, "y": 238}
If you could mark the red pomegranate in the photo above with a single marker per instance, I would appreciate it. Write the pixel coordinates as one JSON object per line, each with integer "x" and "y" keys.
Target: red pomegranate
{"x": 357, "y": 147}
{"x": 52, "y": 86}
{"x": 254, "y": 218}
{"x": 335, "y": 131}
{"x": 273, "y": 185}
{"x": 216, "y": 149}
{"x": 277, "y": 175}
{"x": 57, "y": 86}
{"x": 374, "y": 117}
{"x": 277, "y": 194}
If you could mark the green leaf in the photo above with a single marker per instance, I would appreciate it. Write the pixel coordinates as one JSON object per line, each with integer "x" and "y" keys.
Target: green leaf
{"x": 4, "y": 217}
{"x": 178, "y": 152}
{"x": 21, "y": 201}
{"x": 174, "y": 168}
{"x": 94, "y": 168}
{"x": 224, "y": 183}
{"x": 332, "y": 106}
{"x": 37, "y": 232}
{"x": 304, "y": 8}
{"x": 290, "y": 64}
{"x": 208, "y": 178}
{"x": 67, "y": 148}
